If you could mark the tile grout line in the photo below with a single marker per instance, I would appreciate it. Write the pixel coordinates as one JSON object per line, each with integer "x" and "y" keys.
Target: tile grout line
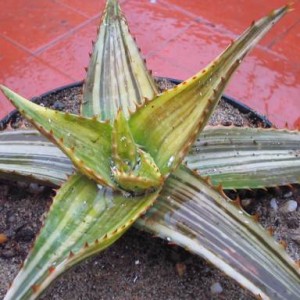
{"x": 41, "y": 49}
{"x": 166, "y": 41}
{"x": 281, "y": 36}
{"x": 77, "y": 10}
{"x": 16, "y": 44}
{"x": 72, "y": 8}
{"x": 198, "y": 19}
{"x": 32, "y": 55}
{"x": 35, "y": 54}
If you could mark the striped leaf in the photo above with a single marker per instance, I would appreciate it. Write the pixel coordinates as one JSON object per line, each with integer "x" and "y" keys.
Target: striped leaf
{"x": 28, "y": 155}
{"x": 241, "y": 158}
{"x": 234, "y": 157}
{"x": 168, "y": 125}
{"x": 190, "y": 213}
{"x": 205, "y": 79}
{"x": 117, "y": 75}
{"x": 83, "y": 220}
{"x": 113, "y": 66}
{"x": 87, "y": 142}
{"x": 172, "y": 210}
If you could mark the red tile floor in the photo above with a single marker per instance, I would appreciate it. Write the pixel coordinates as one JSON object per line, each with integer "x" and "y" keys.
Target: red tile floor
{"x": 45, "y": 43}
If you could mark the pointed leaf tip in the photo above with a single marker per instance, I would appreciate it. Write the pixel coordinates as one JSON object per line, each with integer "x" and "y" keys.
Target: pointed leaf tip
{"x": 117, "y": 75}
{"x": 79, "y": 207}
{"x": 85, "y": 141}
{"x": 169, "y": 124}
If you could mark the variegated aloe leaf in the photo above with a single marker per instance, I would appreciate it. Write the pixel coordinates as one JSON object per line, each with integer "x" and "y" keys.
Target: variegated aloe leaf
{"x": 83, "y": 220}
{"x": 26, "y": 154}
{"x": 190, "y": 213}
{"x": 117, "y": 75}
{"x": 281, "y": 12}
{"x": 114, "y": 63}
{"x": 158, "y": 125}
{"x": 167, "y": 125}
{"x": 87, "y": 142}
{"x": 247, "y": 157}
{"x": 224, "y": 154}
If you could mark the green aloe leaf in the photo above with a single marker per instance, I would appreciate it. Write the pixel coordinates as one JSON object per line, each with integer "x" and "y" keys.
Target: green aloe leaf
{"x": 87, "y": 142}
{"x": 240, "y": 158}
{"x": 117, "y": 75}
{"x": 190, "y": 213}
{"x": 83, "y": 220}
{"x": 124, "y": 149}
{"x": 158, "y": 126}
{"x": 134, "y": 170}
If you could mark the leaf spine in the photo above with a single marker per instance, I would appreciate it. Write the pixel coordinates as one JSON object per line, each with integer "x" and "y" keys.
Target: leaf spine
{"x": 283, "y": 243}
{"x": 35, "y": 288}
{"x": 256, "y": 217}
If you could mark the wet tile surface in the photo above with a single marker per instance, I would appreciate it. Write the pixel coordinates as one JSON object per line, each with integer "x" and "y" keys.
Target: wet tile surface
{"x": 270, "y": 85}
{"x": 33, "y": 24}
{"x": 162, "y": 67}
{"x": 25, "y": 74}
{"x": 153, "y": 24}
{"x": 177, "y": 38}
{"x": 194, "y": 48}
{"x": 264, "y": 81}
{"x": 71, "y": 55}
{"x": 232, "y": 15}
{"x": 288, "y": 44}
{"x": 88, "y": 8}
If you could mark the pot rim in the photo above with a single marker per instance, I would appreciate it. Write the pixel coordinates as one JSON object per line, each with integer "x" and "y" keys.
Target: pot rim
{"x": 232, "y": 101}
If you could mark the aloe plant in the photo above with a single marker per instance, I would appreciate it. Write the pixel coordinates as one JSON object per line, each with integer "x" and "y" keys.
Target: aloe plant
{"x": 126, "y": 152}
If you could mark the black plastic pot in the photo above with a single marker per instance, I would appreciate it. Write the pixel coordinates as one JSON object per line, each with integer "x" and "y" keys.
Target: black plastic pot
{"x": 235, "y": 103}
